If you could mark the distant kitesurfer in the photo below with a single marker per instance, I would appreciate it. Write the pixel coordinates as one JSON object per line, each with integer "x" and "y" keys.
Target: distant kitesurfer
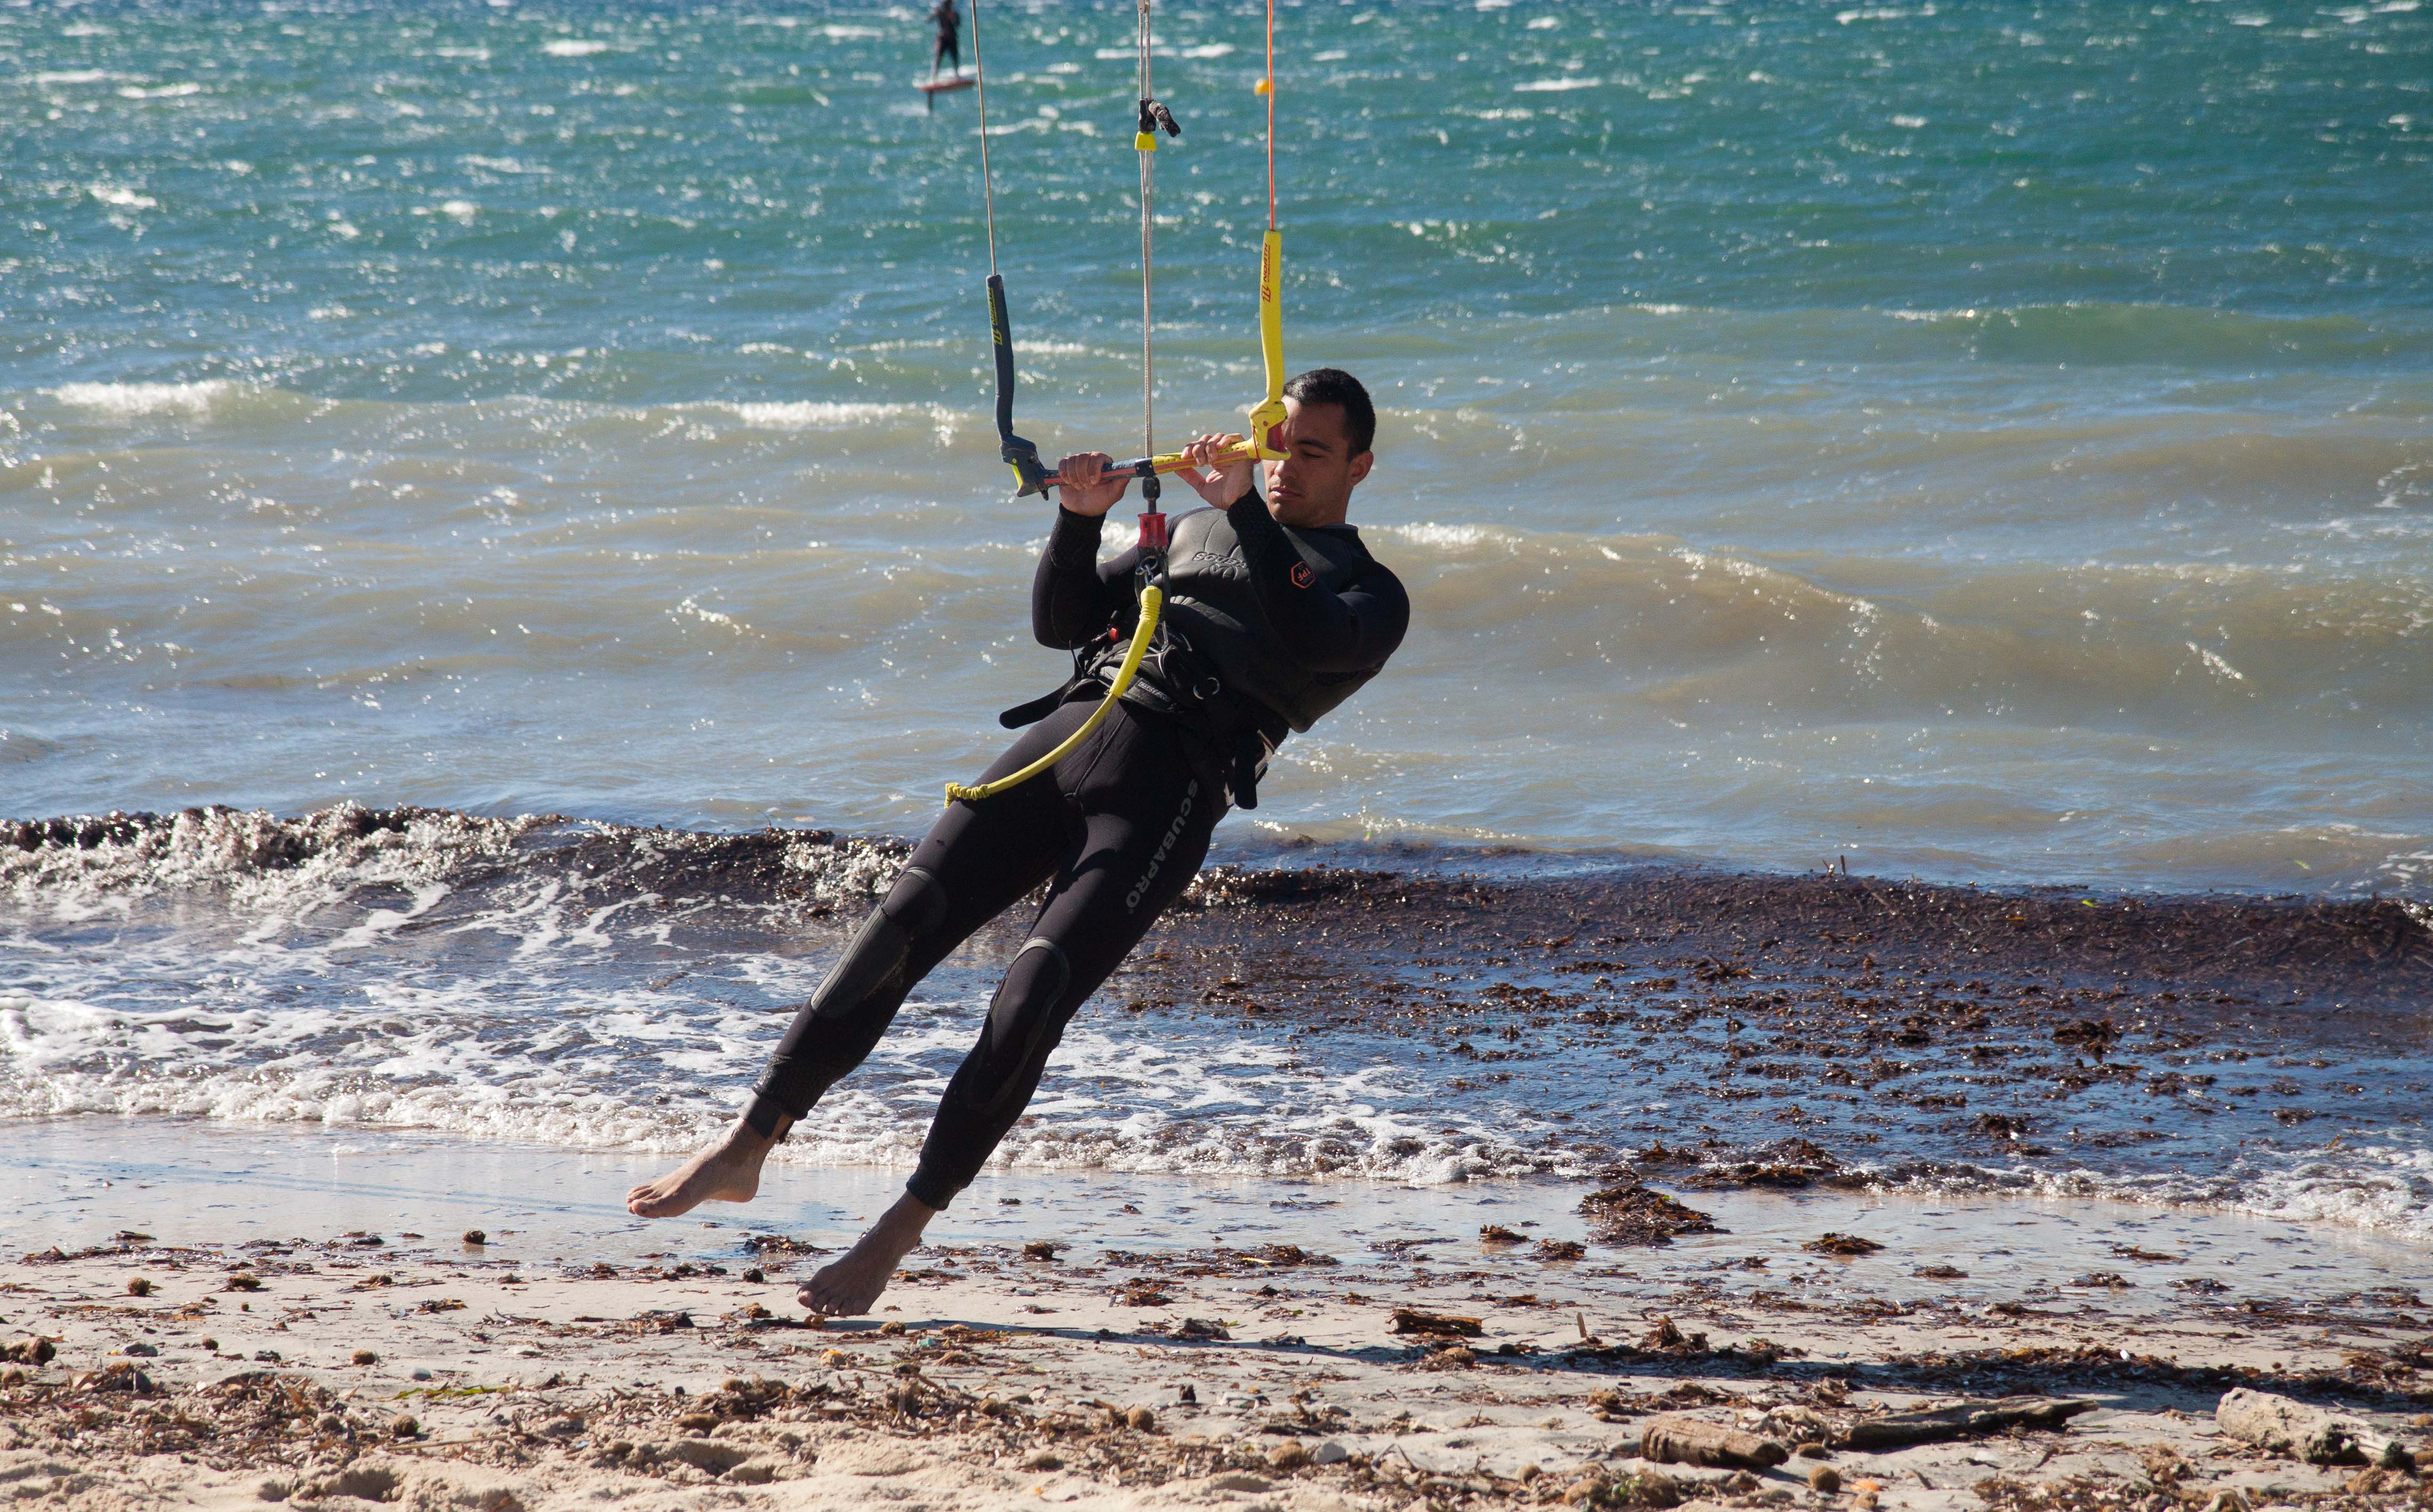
{"x": 948, "y": 18}
{"x": 1277, "y": 613}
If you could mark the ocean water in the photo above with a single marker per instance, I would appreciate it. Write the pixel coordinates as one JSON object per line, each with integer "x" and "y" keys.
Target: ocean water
{"x": 1988, "y": 444}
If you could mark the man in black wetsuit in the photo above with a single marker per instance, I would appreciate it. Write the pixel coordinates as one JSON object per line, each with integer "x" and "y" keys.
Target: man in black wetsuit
{"x": 1275, "y": 614}
{"x": 949, "y": 19}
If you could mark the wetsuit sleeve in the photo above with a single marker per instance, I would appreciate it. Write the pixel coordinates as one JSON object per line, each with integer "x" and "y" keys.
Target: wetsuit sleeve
{"x": 1075, "y": 597}
{"x": 1324, "y": 631}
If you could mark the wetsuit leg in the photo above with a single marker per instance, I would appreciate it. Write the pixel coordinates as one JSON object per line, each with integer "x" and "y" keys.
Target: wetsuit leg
{"x": 976, "y": 862}
{"x": 1147, "y": 811}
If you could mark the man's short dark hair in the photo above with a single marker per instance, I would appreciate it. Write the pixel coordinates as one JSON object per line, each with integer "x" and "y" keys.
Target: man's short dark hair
{"x": 1332, "y": 386}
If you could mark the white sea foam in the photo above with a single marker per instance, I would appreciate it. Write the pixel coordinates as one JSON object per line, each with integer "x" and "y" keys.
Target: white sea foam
{"x": 128, "y": 401}
{"x": 1456, "y": 536}
{"x": 819, "y": 415}
{"x": 574, "y": 47}
{"x": 1556, "y": 86}
{"x": 122, "y": 196}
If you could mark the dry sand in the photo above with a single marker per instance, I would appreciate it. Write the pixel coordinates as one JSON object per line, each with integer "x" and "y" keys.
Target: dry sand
{"x": 348, "y": 1371}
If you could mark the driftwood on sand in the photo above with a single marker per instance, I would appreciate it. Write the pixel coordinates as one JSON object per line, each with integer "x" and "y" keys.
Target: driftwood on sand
{"x": 1672, "y": 1439}
{"x": 1966, "y": 1419}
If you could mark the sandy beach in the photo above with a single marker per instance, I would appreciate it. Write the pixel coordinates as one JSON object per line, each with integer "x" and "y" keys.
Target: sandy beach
{"x": 402, "y": 1370}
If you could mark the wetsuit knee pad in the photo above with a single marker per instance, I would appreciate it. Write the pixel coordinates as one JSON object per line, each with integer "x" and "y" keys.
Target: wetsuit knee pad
{"x": 917, "y": 902}
{"x": 913, "y": 906}
{"x": 1022, "y": 1017}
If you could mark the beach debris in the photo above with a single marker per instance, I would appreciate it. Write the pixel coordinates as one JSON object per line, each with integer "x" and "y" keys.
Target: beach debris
{"x": 2096, "y": 1035}
{"x": 1289, "y": 1455}
{"x": 777, "y": 1244}
{"x": 1042, "y": 1248}
{"x": 367, "y": 1357}
{"x": 2283, "y": 1425}
{"x": 1963, "y": 1419}
{"x": 241, "y": 1282}
{"x": 2162, "y": 1465}
{"x": 1831, "y": 1243}
{"x": 129, "y": 1236}
{"x": 1825, "y": 1479}
{"x": 1553, "y": 1249}
{"x": 1414, "y": 1320}
{"x": 1141, "y": 1292}
{"x": 476, "y": 1238}
{"x": 2107, "y": 1279}
{"x": 1665, "y": 1337}
{"x": 1497, "y": 1233}
{"x": 1140, "y": 1419}
{"x": 1940, "y": 1273}
{"x": 1641, "y": 1216}
{"x": 1201, "y": 1328}
{"x": 139, "y": 1286}
{"x": 754, "y": 1276}
{"x": 1671, "y": 1438}
{"x": 35, "y": 1349}
{"x": 403, "y": 1426}
{"x": 1786, "y": 1165}
{"x": 2131, "y": 1252}
{"x": 1449, "y": 1357}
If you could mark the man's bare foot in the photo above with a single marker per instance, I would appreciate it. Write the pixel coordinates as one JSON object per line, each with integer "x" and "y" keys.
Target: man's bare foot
{"x": 728, "y": 1171}
{"x": 846, "y": 1286}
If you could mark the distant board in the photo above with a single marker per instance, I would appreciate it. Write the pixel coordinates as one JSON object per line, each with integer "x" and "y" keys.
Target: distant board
{"x": 943, "y": 86}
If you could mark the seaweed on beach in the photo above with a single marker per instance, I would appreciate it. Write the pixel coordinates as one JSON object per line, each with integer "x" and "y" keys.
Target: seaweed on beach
{"x": 1641, "y": 1216}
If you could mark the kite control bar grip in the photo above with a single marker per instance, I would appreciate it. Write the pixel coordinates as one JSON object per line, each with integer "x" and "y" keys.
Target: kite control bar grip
{"x": 1165, "y": 462}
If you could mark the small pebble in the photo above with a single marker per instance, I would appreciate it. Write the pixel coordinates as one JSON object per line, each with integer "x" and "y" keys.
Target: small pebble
{"x": 367, "y": 1357}
{"x": 1825, "y": 1478}
{"x": 1044, "y": 1460}
{"x": 419, "y": 1373}
{"x": 1140, "y": 1419}
{"x": 1290, "y": 1455}
{"x": 403, "y": 1426}
{"x": 475, "y": 1236}
{"x": 754, "y": 1276}
{"x": 139, "y": 1286}
{"x": 1813, "y": 1450}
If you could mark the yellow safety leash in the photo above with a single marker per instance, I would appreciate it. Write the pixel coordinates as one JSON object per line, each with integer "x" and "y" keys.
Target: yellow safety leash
{"x": 1152, "y": 600}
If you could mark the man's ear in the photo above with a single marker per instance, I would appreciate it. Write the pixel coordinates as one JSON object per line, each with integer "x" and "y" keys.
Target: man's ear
{"x": 1360, "y": 465}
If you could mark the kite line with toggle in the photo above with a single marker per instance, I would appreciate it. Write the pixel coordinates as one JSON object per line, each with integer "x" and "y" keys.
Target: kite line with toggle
{"x": 1031, "y": 476}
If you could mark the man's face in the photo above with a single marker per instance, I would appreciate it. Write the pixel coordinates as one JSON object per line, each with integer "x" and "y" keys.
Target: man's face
{"x": 1313, "y": 484}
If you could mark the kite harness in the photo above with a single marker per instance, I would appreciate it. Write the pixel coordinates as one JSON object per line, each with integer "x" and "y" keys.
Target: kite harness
{"x": 1033, "y": 477}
